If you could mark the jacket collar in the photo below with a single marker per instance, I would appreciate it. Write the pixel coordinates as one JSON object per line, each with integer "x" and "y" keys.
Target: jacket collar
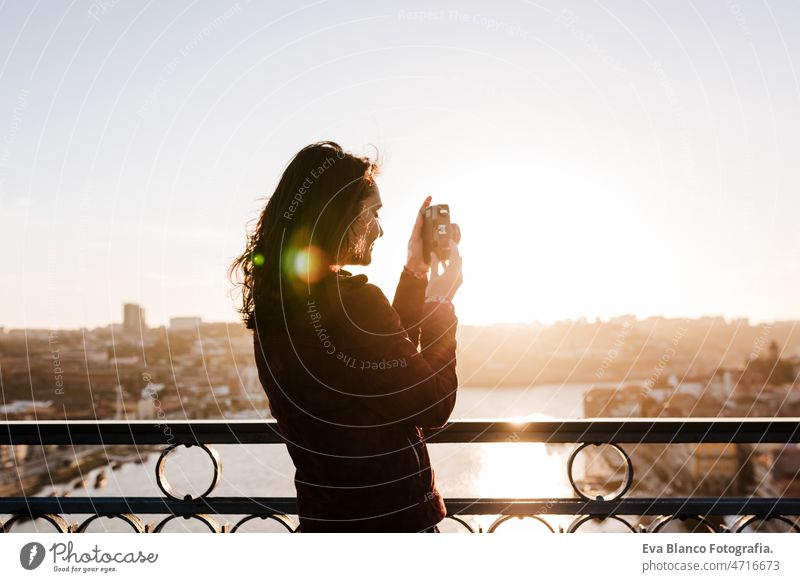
{"x": 342, "y": 276}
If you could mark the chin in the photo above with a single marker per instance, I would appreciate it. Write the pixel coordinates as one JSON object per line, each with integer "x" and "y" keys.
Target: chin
{"x": 363, "y": 261}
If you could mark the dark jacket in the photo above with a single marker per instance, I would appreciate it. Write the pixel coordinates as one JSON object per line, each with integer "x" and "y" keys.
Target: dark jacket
{"x": 351, "y": 391}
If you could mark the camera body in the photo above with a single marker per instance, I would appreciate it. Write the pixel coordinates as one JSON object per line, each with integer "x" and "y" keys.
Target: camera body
{"x": 436, "y": 232}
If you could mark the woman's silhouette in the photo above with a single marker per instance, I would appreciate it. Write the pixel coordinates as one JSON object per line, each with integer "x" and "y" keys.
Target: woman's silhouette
{"x": 346, "y": 379}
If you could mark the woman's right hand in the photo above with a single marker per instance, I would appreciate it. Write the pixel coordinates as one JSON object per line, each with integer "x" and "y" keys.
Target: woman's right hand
{"x": 447, "y": 283}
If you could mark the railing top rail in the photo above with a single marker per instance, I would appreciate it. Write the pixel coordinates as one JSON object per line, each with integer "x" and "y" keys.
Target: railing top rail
{"x": 596, "y": 430}
{"x": 457, "y": 505}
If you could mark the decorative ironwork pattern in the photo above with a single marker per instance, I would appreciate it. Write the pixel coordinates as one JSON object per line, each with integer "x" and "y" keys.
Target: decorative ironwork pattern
{"x": 161, "y": 478}
{"x": 584, "y": 508}
{"x": 622, "y": 490}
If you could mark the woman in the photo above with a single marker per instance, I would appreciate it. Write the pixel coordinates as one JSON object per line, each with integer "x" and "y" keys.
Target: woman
{"x": 346, "y": 381}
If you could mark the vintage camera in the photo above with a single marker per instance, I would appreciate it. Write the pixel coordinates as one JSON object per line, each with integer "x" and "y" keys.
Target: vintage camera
{"x": 436, "y": 232}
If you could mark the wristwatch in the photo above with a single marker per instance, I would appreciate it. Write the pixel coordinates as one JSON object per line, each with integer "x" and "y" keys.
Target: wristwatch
{"x": 437, "y": 299}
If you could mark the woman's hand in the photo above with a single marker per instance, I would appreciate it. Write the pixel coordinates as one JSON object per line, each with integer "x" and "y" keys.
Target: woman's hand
{"x": 446, "y": 284}
{"x": 416, "y": 260}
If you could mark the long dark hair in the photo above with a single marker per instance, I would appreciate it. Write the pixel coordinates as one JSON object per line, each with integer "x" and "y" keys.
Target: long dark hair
{"x": 305, "y": 221}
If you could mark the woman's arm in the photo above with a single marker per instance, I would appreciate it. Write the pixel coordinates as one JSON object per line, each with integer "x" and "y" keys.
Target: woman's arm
{"x": 389, "y": 374}
{"x": 411, "y": 289}
{"x": 408, "y": 300}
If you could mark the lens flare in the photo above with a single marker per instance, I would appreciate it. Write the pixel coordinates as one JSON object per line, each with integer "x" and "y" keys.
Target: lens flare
{"x": 308, "y": 264}
{"x": 258, "y": 260}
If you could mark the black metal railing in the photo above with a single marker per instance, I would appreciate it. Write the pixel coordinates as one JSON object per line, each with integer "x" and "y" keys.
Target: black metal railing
{"x": 749, "y": 510}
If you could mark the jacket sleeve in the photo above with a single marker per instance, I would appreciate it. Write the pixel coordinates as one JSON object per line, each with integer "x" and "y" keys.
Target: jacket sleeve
{"x": 408, "y": 300}
{"x": 400, "y": 383}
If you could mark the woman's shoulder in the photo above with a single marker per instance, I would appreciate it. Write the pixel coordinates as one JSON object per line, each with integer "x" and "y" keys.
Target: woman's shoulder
{"x": 357, "y": 288}
{"x": 349, "y": 287}
{"x": 364, "y": 304}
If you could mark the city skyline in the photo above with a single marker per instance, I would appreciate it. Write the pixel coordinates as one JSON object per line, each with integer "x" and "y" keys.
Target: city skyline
{"x": 187, "y": 322}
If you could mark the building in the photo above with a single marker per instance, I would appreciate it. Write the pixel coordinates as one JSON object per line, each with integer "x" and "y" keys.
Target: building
{"x": 785, "y": 470}
{"x": 184, "y": 323}
{"x": 133, "y": 319}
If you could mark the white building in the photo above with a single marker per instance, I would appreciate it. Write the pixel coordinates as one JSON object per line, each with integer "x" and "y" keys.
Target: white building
{"x": 184, "y": 323}
{"x": 133, "y": 321}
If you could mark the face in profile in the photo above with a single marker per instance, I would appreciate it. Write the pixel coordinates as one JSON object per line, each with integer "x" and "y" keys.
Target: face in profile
{"x": 365, "y": 230}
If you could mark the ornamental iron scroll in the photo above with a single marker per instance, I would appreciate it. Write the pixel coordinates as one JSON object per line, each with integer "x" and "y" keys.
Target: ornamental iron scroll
{"x": 463, "y": 522}
{"x": 280, "y": 518}
{"x": 578, "y": 522}
{"x": 132, "y": 520}
{"x": 56, "y": 521}
{"x": 504, "y": 518}
{"x": 620, "y": 491}
{"x": 165, "y": 486}
{"x": 663, "y": 520}
{"x": 746, "y": 520}
{"x": 211, "y": 523}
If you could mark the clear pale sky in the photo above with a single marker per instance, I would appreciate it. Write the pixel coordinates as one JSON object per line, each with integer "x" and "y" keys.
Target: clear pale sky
{"x": 601, "y": 157}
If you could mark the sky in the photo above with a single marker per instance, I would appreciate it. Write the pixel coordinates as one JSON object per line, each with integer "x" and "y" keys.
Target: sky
{"x": 601, "y": 158}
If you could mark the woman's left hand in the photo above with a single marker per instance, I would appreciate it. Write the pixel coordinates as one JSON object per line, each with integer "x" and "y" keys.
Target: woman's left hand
{"x": 416, "y": 262}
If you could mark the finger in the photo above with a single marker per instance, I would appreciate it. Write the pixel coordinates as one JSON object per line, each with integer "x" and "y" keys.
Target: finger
{"x": 453, "y": 268}
{"x": 454, "y": 252}
{"x": 454, "y": 264}
{"x": 420, "y": 216}
{"x": 456, "y": 233}
{"x": 425, "y": 204}
{"x": 434, "y": 265}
